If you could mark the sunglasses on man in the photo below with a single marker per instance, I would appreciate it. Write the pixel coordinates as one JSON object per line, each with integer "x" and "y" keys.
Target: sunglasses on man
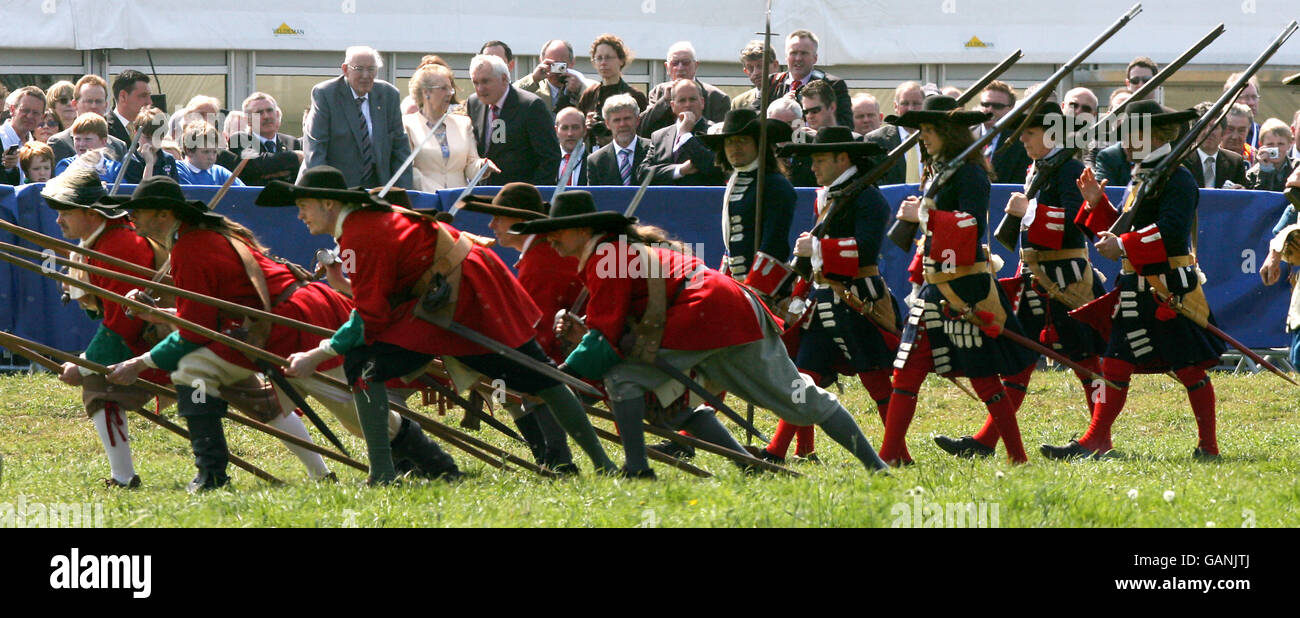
{"x": 993, "y": 105}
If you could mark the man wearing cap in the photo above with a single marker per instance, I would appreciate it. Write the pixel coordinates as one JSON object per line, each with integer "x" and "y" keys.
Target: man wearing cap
{"x": 214, "y": 256}
{"x": 687, "y": 315}
{"x": 959, "y": 288}
{"x": 850, "y": 322}
{"x": 1055, "y": 275}
{"x": 76, "y": 196}
{"x": 552, "y": 282}
{"x": 1158, "y": 325}
{"x": 414, "y": 276}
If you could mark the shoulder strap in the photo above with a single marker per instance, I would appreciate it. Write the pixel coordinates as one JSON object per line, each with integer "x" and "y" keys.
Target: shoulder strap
{"x": 253, "y": 270}
{"x": 649, "y": 331}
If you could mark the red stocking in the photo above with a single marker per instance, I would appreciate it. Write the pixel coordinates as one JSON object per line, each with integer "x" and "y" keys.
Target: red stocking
{"x": 1201, "y": 394}
{"x": 1108, "y": 404}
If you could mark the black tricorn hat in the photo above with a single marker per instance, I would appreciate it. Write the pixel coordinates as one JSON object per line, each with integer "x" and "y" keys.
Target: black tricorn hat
{"x": 1159, "y": 114}
{"x": 321, "y": 182}
{"x": 518, "y": 200}
{"x": 164, "y": 193}
{"x": 938, "y": 109}
{"x": 79, "y": 188}
{"x": 574, "y": 209}
{"x": 744, "y": 121}
{"x": 831, "y": 139}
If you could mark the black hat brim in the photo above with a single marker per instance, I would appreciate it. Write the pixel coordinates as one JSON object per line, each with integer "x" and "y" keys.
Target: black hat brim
{"x": 915, "y": 118}
{"x": 777, "y": 132}
{"x": 100, "y": 206}
{"x": 189, "y": 210}
{"x": 475, "y": 203}
{"x": 1165, "y": 118}
{"x": 603, "y": 220}
{"x": 863, "y": 149}
{"x": 279, "y": 193}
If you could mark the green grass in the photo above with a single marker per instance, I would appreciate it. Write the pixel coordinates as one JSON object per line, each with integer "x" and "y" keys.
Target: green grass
{"x": 51, "y": 455}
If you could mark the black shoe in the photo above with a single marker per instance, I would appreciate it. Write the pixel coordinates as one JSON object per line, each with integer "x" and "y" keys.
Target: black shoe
{"x": 329, "y": 478}
{"x": 1073, "y": 450}
{"x": 134, "y": 483}
{"x": 1198, "y": 453}
{"x": 674, "y": 449}
{"x": 965, "y": 446}
{"x": 809, "y": 458}
{"x": 759, "y": 452}
{"x": 208, "y": 481}
{"x": 425, "y": 458}
{"x": 647, "y": 474}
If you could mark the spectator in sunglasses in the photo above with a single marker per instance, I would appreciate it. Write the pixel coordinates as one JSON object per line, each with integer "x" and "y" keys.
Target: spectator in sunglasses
{"x": 1009, "y": 165}
{"x": 1139, "y": 72}
{"x": 1081, "y": 103}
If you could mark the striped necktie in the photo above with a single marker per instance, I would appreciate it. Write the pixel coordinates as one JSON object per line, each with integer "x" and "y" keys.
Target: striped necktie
{"x": 625, "y": 165}
{"x": 367, "y": 150}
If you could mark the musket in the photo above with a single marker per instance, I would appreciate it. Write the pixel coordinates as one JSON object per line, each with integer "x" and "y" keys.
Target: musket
{"x": 277, "y": 378}
{"x": 1009, "y": 229}
{"x": 51, "y": 242}
{"x": 570, "y": 166}
{"x": 520, "y": 358}
{"x": 968, "y": 313}
{"x": 126, "y": 160}
{"x": 1153, "y": 180}
{"x": 460, "y": 199}
{"x": 470, "y": 408}
{"x": 464, "y": 441}
{"x": 713, "y": 400}
{"x": 23, "y": 348}
{"x": 388, "y": 186}
{"x": 764, "y": 98}
{"x": 1228, "y": 339}
{"x": 902, "y": 232}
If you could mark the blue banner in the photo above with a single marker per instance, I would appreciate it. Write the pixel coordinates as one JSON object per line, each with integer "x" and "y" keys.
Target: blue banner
{"x": 1235, "y": 227}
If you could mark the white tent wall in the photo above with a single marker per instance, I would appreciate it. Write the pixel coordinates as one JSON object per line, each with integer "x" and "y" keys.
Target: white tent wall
{"x": 286, "y": 46}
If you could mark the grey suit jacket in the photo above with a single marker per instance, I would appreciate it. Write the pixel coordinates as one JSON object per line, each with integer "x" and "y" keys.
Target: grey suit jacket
{"x": 61, "y": 144}
{"x": 659, "y": 113}
{"x": 332, "y": 133}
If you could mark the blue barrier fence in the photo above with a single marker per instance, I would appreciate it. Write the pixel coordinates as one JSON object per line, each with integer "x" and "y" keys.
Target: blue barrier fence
{"x": 1235, "y": 227}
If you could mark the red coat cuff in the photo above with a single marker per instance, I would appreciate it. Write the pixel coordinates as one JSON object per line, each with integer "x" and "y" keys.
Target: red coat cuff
{"x": 1098, "y": 219}
{"x": 840, "y": 257}
{"x": 1144, "y": 247}
{"x": 954, "y": 238}
{"x": 769, "y": 274}
{"x": 1048, "y": 227}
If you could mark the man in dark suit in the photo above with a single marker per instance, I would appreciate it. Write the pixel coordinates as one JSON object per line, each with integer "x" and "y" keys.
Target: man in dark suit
{"x": 676, "y": 157}
{"x": 570, "y": 129}
{"x": 800, "y": 62}
{"x": 1113, "y": 165}
{"x": 355, "y": 124}
{"x": 1010, "y": 165}
{"x": 512, "y": 127}
{"x": 617, "y": 162}
{"x": 278, "y": 155}
{"x": 1211, "y": 165}
{"x": 130, "y": 93}
{"x": 90, "y": 96}
{"x": 908, "y": 96}
{"x": 681, "y": 64}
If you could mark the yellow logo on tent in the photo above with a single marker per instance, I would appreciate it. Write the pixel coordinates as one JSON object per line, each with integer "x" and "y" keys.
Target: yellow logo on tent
{"x": 285, "y": 30}
{"x": 976, "y": 42}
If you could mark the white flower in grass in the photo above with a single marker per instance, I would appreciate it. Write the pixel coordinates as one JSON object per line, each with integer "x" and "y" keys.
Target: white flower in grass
{"x": 1209, "y": 524}
{"x": 1169, "y": 495}
{"x": 998, "y": 474}
{"x": 1132, "y": 494}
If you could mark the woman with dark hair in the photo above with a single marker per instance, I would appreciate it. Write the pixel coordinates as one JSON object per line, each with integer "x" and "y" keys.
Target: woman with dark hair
{"x": 683, "y": 313}
{"x": 610, "y": 57}
{"x": 958, "y": 282}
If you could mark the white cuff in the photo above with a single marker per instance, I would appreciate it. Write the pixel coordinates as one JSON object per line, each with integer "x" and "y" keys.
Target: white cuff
{"x": 82, "y": 370}
{"x": 327, "y": 349}
{"x": 677, "y": 170}
{"x": 147, "y": 358}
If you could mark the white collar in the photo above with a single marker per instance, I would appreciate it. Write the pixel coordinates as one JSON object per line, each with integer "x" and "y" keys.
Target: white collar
{"x": 90, "y": 240}
{"x": 631, "y": 145}
{"x": 1156, "y": 154}
{"x": 500, "y": 102}
{"x": 753, "y": 165}
{"x": 848, "y": 173}
{"x": 528, "y": 244}
{"x": 588, "y": 249}
{"x": 356, "y": 95}
{"x": 1204, "y": 156}
{"x": 338, "y": 225}
{"x": 121, "y": 118}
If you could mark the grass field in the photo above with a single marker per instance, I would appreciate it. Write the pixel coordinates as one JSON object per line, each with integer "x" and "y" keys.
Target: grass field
{"x": 52, "y": 456}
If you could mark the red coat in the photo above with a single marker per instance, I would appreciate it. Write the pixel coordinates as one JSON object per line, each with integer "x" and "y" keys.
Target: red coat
{"x": 120, "y": 241}
{"x": 391, "y": 252}
{"x": 713, "y": 311}
{"x": 552, "y": 282}
{"x": 204, "y": 262}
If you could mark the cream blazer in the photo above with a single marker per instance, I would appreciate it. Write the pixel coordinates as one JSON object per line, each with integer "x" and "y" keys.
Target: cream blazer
{"x": 431, "y": 171}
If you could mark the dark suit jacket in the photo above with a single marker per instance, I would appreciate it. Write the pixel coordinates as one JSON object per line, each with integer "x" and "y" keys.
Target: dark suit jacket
{"x": 333, "y": 130}
{"x": 1011, "y": 165}
{"x": 530, "y": 151}
{"x": 61, "y": 144}
{"x": 887, "y": 137}
{"x": 1113, "y": 165}
{"x": 603, "y": 164}
{"x": 279, "y": 165}
{"x": 659, "y": 113}
{"x": 660, "y": 159}
{"x": 543, "y": 91}
{"x": 1227, "y": 166}
{"x": 843, "y": 104}
{"x": 117, "y": 129}
{"x": 580, "y": 178}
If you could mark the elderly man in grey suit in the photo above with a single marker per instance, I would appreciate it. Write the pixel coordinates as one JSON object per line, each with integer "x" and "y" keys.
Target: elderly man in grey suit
{"x": 355, "y": 124}
{"x": 680, "y": 64}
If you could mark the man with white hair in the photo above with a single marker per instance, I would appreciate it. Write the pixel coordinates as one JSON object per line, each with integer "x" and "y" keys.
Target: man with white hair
{"x": 680, "y": 64}
{"x": 511, "y": 126}
{"x": 355, "y": 123}
{"x": 278, "y": 155}
{"x": 797, "y": 168}
{"x": 866, "y": 113}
